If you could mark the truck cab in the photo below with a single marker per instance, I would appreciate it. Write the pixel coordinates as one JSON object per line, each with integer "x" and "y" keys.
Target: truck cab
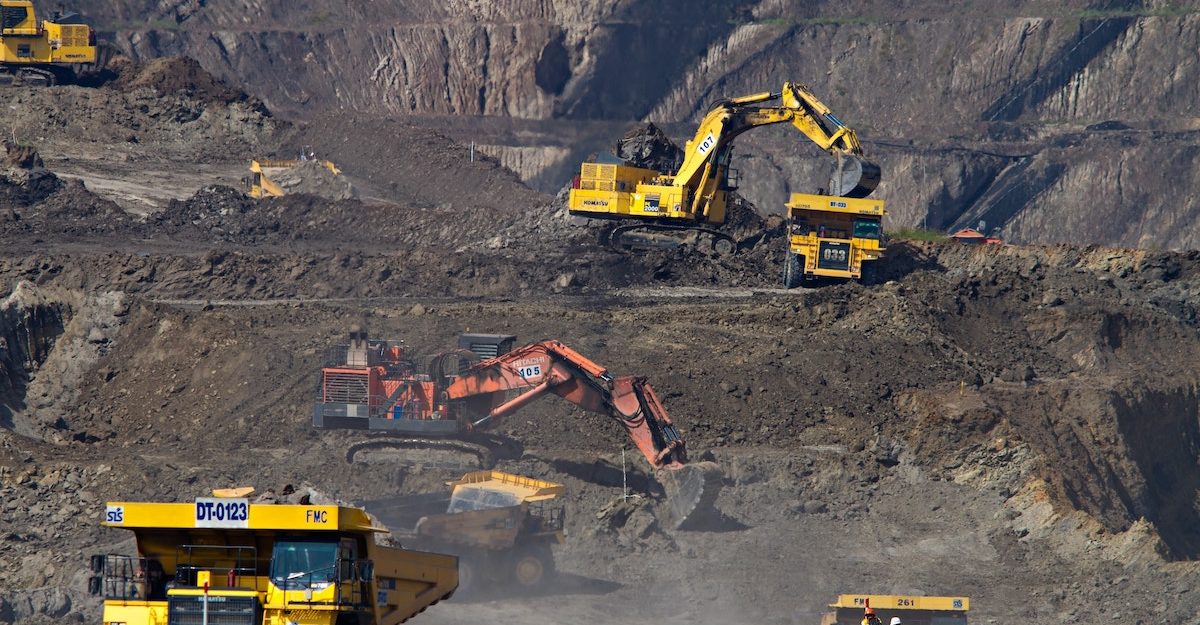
{"x": 226, "y": 561}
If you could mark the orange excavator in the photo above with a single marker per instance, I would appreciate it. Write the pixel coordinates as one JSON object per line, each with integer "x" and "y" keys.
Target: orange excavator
{"x": 378, "y": 386}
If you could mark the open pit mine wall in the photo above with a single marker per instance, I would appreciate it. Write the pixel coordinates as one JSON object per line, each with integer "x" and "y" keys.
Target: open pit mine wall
{"x": 29, "y": 326}
{"x": 50, "y": 339}
{"x": 1055, "y": 121}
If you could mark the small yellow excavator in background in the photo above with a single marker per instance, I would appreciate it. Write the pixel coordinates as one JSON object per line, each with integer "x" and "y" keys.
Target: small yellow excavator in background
{"x": 687, "y": 205}
{"x": 271, "y": 177}
{"x": 45, "y": 52}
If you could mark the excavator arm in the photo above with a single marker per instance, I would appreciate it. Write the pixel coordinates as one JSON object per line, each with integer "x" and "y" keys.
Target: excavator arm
{"x": 853, "y": 175}
{"x": 551, "y": 367}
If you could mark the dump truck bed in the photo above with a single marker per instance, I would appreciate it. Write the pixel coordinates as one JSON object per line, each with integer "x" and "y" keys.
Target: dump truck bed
{"x": 402, "y": 512}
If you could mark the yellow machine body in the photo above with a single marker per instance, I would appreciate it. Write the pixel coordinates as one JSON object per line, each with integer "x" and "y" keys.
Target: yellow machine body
{"x": 833, "y": 237}
{"x": 260, "y": 183}
{"x": 617, "y": 191}
{"x": 24, "y": 40}
{"x": 912, "y": 609}
{"x": 226, "y": 561}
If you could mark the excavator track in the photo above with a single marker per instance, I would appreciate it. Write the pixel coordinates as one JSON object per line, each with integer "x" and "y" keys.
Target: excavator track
{"x": 669, "y": 236}
{"x": 31, "y": 76}
{"x": 486, "y": 449}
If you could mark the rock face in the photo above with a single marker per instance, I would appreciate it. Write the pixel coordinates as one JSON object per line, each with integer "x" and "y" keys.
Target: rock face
{"x": 29, "y": 326}
{"x": 48, "y": 341}
{"x": 1046, "y": 120}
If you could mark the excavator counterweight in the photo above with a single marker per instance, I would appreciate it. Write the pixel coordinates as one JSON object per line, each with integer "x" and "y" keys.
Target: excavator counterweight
{"x": 46, "y": 52}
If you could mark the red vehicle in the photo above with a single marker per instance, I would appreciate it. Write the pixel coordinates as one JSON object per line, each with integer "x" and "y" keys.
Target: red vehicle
{"x": 971, "y": 236}
{"x": 377, "y": 386}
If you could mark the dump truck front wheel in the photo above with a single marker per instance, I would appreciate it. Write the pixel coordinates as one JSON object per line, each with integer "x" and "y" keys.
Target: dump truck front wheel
{"x": 793, "y": 270}
{"x": 532, "y": 566}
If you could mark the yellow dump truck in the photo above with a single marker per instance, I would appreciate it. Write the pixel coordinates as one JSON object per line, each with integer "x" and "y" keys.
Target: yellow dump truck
{"x": 501, "y": 525}
{"x": 831, "y": 237}
{"x": 912, "y": 609}
{"x": 226, "y": 561}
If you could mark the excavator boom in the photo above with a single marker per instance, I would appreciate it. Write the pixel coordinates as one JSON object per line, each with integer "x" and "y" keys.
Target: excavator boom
{"x": 551, "y": 367}
{"x": 729, "y": 118}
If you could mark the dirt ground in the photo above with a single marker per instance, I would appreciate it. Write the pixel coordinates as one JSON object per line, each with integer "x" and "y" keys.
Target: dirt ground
{"x": 1013, "y": 424}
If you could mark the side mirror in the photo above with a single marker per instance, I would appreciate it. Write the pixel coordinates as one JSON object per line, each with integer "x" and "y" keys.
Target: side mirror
{"x": 95, "y": 583}
{"x": 98, "y": 563}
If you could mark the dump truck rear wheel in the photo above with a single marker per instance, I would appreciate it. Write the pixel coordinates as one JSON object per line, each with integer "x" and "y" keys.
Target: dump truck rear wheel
{"x": 468, "y": 571}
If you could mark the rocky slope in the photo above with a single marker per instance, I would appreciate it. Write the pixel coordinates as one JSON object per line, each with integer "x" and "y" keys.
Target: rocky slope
{"x": 1005, "y": 424}
{"x": 1016, "y": 424}
{"x": 1052, "y": 121}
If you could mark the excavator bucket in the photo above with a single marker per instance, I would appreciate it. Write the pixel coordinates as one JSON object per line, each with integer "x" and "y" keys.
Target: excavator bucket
{"x": 691, "y": 494}
{"x": 853, "y": 176}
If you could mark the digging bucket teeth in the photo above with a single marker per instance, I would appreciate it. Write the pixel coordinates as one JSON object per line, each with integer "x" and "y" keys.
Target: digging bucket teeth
{"x": 691, "y": 493}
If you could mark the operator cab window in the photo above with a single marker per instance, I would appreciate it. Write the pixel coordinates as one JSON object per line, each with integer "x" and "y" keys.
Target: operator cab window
{"x": 14, "y": 16}
{"x": 304, "y": 564}
{"x": 866, "y": 229}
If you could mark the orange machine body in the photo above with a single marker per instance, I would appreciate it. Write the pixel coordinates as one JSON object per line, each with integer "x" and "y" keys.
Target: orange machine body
{"x": 376, "y": 387}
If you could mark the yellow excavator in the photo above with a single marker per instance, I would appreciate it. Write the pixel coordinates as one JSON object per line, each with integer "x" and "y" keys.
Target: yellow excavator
{"x": 685, "y": 207}
{"x": 45, "y": 52}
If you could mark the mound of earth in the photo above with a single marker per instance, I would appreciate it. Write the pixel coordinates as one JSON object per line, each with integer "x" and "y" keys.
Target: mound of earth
{"x": 313, "y": 178}
{"x": 24, "y": 180}
{"x": 647, "y": 146}
{"x": 178, "y": 75}
{"x": 34, "y": 200}
{"x": 21, "y": 156}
